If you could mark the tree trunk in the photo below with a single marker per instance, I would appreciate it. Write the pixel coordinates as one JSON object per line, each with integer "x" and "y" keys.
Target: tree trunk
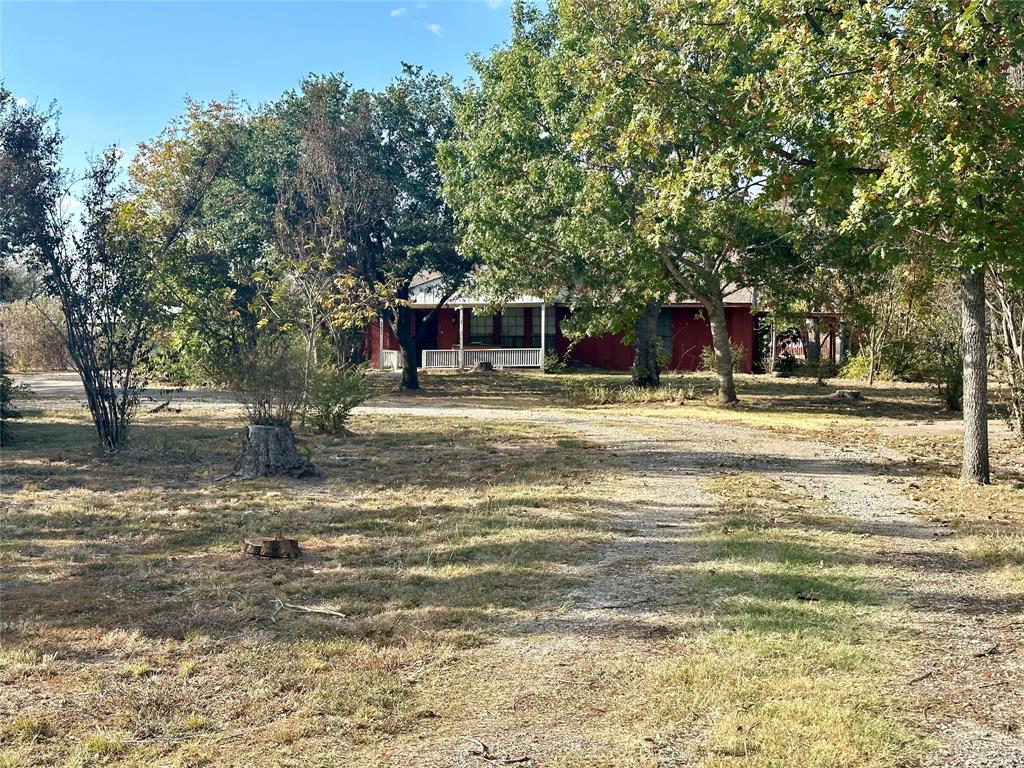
{"x": 408, "y": 343}
{"x": 646, "y": 368}
{"x": 269, "y": 451}
{"x": 410, "y": 365}
{"x": 723, "y": 352}
{"x": 975, "y": 467}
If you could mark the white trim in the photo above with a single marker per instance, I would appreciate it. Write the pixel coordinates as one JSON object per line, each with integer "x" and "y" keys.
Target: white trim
{"x": 543, "y": 333}
{"x": 462, "y": 334}
{"x": 525, "y": 357}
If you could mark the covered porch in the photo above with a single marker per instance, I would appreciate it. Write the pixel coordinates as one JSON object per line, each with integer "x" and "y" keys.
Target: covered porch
{"x": 462, "y": 334}
{"x": 512, "y": 337}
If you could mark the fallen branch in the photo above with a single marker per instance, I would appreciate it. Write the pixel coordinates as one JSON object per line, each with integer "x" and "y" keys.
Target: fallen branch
{"x": 631, "y": 604}
{"x": 919, "y": 678}
{"x": 993, "y": 685}
{"x": 484, "y": 753}
{"x": 305, "y": 609}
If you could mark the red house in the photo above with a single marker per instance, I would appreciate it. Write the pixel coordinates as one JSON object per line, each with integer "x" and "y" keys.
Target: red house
{"x": 526, "y": 329}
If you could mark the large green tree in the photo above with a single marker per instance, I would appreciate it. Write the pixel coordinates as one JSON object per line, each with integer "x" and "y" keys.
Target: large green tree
{"x": 363, "y": 204}
{"x": 907, "y": 112}
{"x": 537, "y": 211}
{"x": 103, "y": 267}
{"x": 606, "y": 152}
{"x": 31, "y": 185}
{"x": 224, "y": 278}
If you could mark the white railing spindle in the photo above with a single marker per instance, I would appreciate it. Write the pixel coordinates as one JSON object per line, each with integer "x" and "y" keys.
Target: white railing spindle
{"x": 499, "y": 358}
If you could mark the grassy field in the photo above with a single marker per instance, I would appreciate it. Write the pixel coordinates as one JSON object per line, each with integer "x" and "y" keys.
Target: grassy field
{"x": 460, "y": 600}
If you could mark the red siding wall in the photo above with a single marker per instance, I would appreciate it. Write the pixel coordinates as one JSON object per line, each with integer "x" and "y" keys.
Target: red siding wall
{"x": 605, "y": 351}
{"x": 372, "y": 341}
{"x": 447, "y": 328}
{"x": 691, "y": 333}
{"x": 740, "y": 323}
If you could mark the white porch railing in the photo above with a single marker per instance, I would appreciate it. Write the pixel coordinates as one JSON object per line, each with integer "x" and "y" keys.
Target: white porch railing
{"x": 499, "y": 358}
{"x": 390, "y": 359}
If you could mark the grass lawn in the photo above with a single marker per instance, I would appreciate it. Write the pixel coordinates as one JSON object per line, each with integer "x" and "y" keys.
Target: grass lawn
{"x": 499, "y": 590}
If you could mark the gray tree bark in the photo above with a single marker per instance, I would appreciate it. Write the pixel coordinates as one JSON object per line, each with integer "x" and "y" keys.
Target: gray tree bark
{"x": 646, "y": 368}
{"x": 270, "y": 451}
{"x": 715, "y": 306}
{"x": 408, "y": 344}
{"x": 975, "y": 467}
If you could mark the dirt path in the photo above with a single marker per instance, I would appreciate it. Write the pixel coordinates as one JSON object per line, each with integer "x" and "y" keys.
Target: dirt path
{"x": 970, "y": 674}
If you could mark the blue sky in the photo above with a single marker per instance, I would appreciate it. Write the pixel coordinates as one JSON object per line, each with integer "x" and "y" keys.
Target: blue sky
{"x": 120, "y": 70}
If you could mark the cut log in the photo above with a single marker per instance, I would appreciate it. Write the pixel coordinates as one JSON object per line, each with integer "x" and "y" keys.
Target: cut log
{"x": 270, "y": 451}
{"x": 275, "y": 547}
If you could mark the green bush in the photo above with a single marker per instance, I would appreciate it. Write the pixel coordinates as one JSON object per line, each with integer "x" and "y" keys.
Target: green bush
{"x": 179, "y": 358}
{"x": 333, "y": 394}
{"x": 7, "y": 410}
{"x": 857, "y": 367}
{"x": 708, "y": 362}
{"x": 554, "y": 364}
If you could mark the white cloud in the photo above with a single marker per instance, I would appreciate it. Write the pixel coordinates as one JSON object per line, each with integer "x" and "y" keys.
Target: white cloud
{"x": 421, "y": 5}
{"x": 435, "y": 29}
{"x": 398, "y": 11}
{"x": 495, "y": 3}
{"x": 21, "y": 101}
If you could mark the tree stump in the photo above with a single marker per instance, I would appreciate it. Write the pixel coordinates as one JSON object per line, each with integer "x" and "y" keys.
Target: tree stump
{"x": 275, "y": 547}
{"x": 269, "y": 451}
{"x": 483, "y": 365}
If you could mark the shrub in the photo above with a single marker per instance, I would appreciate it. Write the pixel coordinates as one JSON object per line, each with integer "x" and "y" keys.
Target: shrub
{"x": 858, "y": 366}
{"x": 35, "y": 336}
{"x": 785, "y": 362}
{"x": 268, "y": 376}
{"x": 179, "y": 358}
{"x": 708, "y": 362}
{"x": 7, "y": 411}
{"x": 554, "y": 364}
{"x": 333, "y": 394}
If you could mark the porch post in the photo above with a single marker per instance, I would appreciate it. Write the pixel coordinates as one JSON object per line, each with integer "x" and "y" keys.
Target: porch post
{"x": 462, "y": 335}
{"x": 380, "y": 339}
{"x": 543, "y": 334}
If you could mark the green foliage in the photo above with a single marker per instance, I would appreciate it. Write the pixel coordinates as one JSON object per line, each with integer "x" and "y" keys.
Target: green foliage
{"x": 7, "y": 410}
{"x": 180, "y": 358}
{"x": 270, "y": 377}
{"x": 858, "y": 366}
{"x": 708, "y": 361}
{"x": 553, "y": 363}
{"x": 333, "y": 394}
{"x": 615, "y": 141}
{"x": 916, "y": 137}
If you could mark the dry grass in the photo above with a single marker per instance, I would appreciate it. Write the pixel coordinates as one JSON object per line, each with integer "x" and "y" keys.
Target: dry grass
{"x": 133, "y": 633}
{"x": 122, "y": 581}
{"x": 792, "y": 660}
